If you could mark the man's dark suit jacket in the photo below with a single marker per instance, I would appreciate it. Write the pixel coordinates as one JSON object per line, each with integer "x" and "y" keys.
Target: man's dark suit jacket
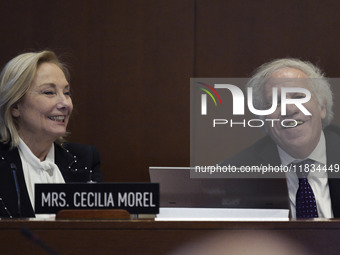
{"x": 265, "y": 152}
{"x": 73, "y": 160}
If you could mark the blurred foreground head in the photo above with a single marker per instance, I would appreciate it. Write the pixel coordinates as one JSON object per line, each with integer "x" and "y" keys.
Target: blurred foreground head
{"x": 243, "y": 243}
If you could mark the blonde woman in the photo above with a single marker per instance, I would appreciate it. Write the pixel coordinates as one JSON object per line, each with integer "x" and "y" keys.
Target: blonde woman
{"x": 35, "y": 108}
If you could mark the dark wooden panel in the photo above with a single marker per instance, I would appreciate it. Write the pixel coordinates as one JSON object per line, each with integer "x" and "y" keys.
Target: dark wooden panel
{"x": 234, "y": 37}
{"x": 149, "y": 237}
{"x": 131, "y": 63}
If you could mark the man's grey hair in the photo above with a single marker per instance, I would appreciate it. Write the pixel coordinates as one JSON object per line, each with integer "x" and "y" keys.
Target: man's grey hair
{"x": 320, "y": 85}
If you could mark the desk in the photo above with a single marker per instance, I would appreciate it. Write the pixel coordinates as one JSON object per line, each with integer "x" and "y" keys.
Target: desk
{"x": 148, "y": 236}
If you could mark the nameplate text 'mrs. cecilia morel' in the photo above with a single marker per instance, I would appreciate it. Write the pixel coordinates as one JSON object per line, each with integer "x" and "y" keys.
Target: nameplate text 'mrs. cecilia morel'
{"x": 136, "y": 198}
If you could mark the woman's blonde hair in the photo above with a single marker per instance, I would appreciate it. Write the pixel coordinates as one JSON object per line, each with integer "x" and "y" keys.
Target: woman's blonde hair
{"x": 15, "y": 80}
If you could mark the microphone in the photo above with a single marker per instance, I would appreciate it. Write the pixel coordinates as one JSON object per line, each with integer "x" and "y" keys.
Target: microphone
{"x": 14, "y": 172}
{"x": 35, "y": 239}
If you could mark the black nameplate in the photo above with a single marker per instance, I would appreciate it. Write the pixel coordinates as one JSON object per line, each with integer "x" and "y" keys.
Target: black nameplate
{"x": 136, "y": 198}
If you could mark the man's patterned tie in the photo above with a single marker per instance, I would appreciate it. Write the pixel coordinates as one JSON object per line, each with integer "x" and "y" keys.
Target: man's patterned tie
{"x": 305, "y": 203}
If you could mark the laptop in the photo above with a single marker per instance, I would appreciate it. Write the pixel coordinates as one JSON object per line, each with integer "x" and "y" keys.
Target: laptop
{"x": 177, "y": 189}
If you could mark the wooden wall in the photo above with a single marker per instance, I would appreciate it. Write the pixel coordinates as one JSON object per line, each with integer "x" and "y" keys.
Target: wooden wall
{"x": 131, "y": 62}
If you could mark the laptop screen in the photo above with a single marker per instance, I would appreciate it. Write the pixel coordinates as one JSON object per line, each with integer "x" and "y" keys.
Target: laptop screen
{"x": 177, "y": 189}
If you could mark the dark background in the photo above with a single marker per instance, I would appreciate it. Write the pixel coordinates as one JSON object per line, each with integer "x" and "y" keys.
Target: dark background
{"x": 131, "y": 62}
